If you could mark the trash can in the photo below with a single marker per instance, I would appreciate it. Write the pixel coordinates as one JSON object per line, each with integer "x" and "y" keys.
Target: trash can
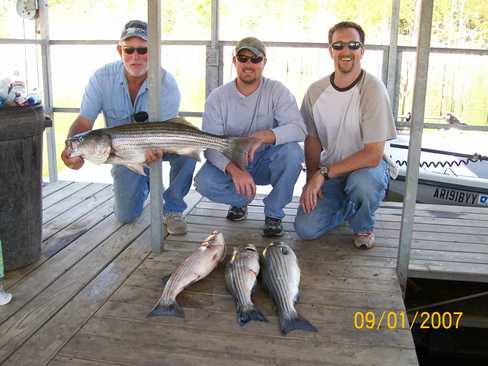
{"x": 21, "y": 138}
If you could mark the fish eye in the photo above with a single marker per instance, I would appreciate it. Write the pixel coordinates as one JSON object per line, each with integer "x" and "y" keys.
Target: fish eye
{"x": 284, "y": 250}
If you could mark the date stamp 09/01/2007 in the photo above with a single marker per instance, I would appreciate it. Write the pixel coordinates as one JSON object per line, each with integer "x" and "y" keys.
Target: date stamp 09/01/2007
{"x": 399, "y": 319}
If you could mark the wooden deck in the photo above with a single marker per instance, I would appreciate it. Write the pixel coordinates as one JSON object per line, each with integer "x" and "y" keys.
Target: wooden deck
{"x": 85, "y": 301}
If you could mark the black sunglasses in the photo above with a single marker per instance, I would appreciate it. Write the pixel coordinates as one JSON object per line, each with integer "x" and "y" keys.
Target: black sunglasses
{"x": 254, "y": 59}
{"x": 139, "y": 50}
{"x": 352, "y": 45}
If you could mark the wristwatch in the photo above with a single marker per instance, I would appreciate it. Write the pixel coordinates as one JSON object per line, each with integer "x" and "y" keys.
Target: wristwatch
{"x": 324, "y": 171}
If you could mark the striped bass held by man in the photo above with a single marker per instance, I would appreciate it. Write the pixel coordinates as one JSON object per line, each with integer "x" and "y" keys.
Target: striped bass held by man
{"x": 127, "y": 144}
{"x": 281, "y": 278}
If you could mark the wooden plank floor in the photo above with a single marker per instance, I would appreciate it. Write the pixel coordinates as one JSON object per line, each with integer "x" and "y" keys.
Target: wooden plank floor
{"x": 85, "y": 301}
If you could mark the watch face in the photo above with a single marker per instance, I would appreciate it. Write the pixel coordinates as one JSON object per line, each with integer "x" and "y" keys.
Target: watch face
{"x": 27, "y": 8}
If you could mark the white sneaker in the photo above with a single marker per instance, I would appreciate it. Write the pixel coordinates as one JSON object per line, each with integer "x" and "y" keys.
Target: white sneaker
{"x": 364, "y": 240}
{"x": 175, "y": 224}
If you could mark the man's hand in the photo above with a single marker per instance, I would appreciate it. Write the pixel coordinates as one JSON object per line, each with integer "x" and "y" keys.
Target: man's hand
{"x": 153, "y": 155}
{"x": 264, "y": 137}
{"x": 243, "y": 181}
{"x": 312, "y": 192}
{"x": 75, "y": 162}
{"x": 253, "y": 149}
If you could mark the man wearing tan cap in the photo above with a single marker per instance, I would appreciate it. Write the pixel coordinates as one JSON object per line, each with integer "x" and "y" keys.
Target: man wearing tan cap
{"x": 253, "y": 105}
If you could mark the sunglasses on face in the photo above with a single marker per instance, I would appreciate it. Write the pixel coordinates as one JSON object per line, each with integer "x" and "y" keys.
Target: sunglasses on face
{"x": 139, "y": 50}
{"x": 352, "y": 45}
{"x": 254, "y": 59}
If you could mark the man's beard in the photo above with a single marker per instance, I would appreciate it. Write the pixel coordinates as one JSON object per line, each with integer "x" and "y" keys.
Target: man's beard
{"x": 248, "y": 78}
{"x": 348, "y": 67}
{"x": 137, "y": 72}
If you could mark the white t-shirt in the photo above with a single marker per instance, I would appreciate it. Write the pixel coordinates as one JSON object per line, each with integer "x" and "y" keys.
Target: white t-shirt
{"x": 345, "y": 120}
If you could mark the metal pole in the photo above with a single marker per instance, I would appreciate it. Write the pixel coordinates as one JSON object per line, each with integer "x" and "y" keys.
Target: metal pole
{"x": 158, "y": 229}
{"x": 214, "y": 62}
{"x": 392, "y": 56}
{"x": 420, "y": 88}
{"x": 398, "y": 74}
{"x": 47, "y": 89}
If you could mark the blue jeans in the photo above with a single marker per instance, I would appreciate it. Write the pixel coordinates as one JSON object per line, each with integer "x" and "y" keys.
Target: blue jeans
{"x": 276, "y": 165}
{"x": 132, "y": 189}
{"x": 353, "y": 198}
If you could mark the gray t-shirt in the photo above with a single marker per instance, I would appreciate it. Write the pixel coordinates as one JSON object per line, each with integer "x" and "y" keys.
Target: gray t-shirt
{"x": 346, "y": 119}
{"x": 270, "y": 107}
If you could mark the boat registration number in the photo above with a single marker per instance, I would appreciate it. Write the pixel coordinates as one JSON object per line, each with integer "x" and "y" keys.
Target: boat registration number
{"x": 462, "y": 197}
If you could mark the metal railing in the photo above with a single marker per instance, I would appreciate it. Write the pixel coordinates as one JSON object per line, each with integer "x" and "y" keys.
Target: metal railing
{"x": 215, "y": 65}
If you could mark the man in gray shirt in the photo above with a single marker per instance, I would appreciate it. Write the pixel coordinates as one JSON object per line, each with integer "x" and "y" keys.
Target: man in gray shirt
{"x": 255, "y": 106}
{"x": 349, "y": 122}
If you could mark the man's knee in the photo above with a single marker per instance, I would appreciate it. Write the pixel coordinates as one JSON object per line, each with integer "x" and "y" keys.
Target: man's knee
{"x": 204, "y": 180}
{"x": 291, "y": 153}
{"x": 304, "y": 228}
{"x": 363, "y": 187}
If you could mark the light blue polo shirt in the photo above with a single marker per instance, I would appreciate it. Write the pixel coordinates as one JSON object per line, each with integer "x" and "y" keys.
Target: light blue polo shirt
{"x": 107, "y": 92}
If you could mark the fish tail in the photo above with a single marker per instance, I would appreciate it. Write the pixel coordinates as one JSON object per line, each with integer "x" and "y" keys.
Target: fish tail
{"x": 172, "y": 309}
{"x": 238, "y": 150}
{"x": 245, "y": 315}
{"x": 294, "y": 323}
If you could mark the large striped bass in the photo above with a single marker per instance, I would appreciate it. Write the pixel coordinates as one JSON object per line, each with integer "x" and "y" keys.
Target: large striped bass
{"x": 197, "y": 266}
{"x": 126, "y": 144}
{"x": 240, "y": 277}
{"x": 281, "y": 277}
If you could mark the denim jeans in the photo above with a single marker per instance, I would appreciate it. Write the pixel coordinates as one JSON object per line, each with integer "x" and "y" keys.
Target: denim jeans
{"x": 132, "y": 189}
{"x": 276, "y": 165}
{"x": 353, "y": 198}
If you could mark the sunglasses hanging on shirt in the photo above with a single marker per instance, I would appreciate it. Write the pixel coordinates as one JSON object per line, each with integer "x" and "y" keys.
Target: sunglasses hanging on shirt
{"x": 140, "y": 116}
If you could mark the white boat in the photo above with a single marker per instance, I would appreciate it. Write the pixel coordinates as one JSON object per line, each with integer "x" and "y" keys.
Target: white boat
{"x": 446, "y": 176}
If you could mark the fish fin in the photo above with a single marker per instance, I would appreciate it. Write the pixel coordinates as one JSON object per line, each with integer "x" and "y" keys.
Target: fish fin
{"x": 99, "y": 160}
{"x": 181, "y": 121}
{"x": 173, "y": 309}
{"x": 254, "y": 288}
{"x": 296, "y": 300}
{"x": 136, "y": 168}
{"x": 246, "y": 315}
{"x": 239, "y": 148}
{"x": 165, "y": 279}
{"x": 294, "y": 323}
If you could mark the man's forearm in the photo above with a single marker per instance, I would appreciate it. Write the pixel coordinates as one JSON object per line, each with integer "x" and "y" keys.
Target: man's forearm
{"x": 266, "y": 136}
{"x": 232, "y": 169}
{"x": 80, "y": 124}
{"x": 370, "y": 156}
{"x": 313, "y": 148}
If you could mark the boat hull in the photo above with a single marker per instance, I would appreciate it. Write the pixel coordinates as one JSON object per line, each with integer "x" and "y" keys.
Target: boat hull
{"x": 442, "y": 193}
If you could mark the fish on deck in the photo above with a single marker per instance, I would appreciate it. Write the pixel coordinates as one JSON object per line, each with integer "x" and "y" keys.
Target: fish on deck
{"x": 195, "y": 267}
